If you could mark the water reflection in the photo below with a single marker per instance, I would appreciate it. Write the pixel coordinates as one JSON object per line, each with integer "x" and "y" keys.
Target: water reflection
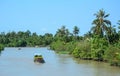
{"x": 14, "y": 62}
{"x": 0, "y": 52}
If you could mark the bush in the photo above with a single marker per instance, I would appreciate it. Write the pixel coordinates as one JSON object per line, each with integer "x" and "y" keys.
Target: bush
{"x": 1, "y": 47}
{"x": 58, "y": 46}
{"x": 82, "y": 50}
{"x": 98, "y": 47}
{"x": 112, "y": 55}
{"x": 62, "y": 47}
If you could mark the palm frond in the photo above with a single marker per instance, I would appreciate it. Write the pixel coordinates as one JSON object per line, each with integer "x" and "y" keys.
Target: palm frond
{"x": 107, "y": 22}
{"x": 106, "y": 15}
{"x": 118, "y": 22}
{"x": 96, "y": 21}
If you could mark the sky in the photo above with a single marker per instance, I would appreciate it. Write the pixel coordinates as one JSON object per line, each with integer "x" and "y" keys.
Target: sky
{"x": 47, "y": 16}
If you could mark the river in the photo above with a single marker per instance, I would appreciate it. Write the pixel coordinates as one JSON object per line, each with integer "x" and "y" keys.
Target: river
{"x": 14, "y": 62}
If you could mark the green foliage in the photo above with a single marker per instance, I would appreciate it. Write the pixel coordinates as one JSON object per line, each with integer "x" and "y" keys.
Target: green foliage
{"x": 82, "y": 50}
{"x": 102, "y": 43}
{"x": 23, "y": 39}
{"x": 21, "y": 43}
{"x": 98, "y": 47}
{"x": 75, "y": 32}
{"x": 1, "y": 48}
{"x": 63, "y": 34}
{"x": 76, "y": 52}
{"x": 70, "y": 47}
{"x": 58, "y": 46}
{"x": 91, "y": 46}
{"x": 112, "y": 55}
{"x": 62, "y": 47}
{"x": 64, "y": 41}
{"x": 101, "y": 23}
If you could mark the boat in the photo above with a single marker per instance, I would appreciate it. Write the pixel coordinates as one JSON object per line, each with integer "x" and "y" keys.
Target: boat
{"x": 38, "y": 58}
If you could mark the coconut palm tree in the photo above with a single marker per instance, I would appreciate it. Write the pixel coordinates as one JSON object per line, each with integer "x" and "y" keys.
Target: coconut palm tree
{"x": 63, "y": 34}
{"x": 101, "y": 23}
{"x": 118, "y": 27}
{"x": 118, "y": 24}
{"x": 76, "y": 32}
{"x": 101, "y": 29}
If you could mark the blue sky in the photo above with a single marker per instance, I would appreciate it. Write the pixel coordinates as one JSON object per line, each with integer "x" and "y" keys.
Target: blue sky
{"x": 46, "y": 16}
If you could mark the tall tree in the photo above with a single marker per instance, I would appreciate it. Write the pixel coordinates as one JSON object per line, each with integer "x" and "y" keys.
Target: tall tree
{"x": 119, "y": 26}
{"x": 62, "y": 34}
{"x": 76, "y": 31}
{"x": 101, "y": 23}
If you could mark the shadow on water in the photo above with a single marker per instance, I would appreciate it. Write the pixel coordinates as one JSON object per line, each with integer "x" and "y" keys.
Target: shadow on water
{"x": 14, "y": 62}
{"x": 1, "y": 52}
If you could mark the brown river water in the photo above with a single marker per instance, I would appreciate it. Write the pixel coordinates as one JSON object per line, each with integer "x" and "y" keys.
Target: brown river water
{"x": 14, "y": 62}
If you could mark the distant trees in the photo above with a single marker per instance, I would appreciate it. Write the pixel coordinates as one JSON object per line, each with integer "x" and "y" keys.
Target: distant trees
{"x": 23, "y": 39}
{"x": 64, "y": 40}
{"x": 48, "y": 39}
{"x": 62, "y": 34}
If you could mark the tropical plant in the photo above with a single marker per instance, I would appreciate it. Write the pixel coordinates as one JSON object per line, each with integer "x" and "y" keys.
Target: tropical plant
{"x": 101, "y": 23}
{"x": 98, "y": 47}
{"x": 62, "y": 34}
{"x": 76, "y": 32}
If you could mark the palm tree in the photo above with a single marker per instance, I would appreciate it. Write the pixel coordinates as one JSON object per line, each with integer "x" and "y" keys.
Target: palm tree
{"x": 61, "y": 31}
{"x": 76, "y": 31}
{"x": 119, "y": 27}
{"x": 63, "y": 34}
{"x": 118, "y": 24}
{"x": 102, "y": 28}
{"x": 101, "y": 23}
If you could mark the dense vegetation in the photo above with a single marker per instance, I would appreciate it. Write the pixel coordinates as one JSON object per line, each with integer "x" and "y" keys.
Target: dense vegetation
{"x": 101, "y": 43}
{"x": 1, "y": 47}
{"x": 24, "y": 39}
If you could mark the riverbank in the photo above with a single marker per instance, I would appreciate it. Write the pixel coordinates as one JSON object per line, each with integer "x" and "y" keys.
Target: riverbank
{"x": 1, "y": 47}
{"x": 85, "y": 50}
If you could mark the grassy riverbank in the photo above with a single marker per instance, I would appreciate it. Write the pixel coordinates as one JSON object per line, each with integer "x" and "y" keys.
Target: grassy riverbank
{"x": 86, "y": 50}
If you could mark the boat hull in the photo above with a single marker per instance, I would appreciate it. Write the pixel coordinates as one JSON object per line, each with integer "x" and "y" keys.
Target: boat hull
{"x": 39, "y": 60}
